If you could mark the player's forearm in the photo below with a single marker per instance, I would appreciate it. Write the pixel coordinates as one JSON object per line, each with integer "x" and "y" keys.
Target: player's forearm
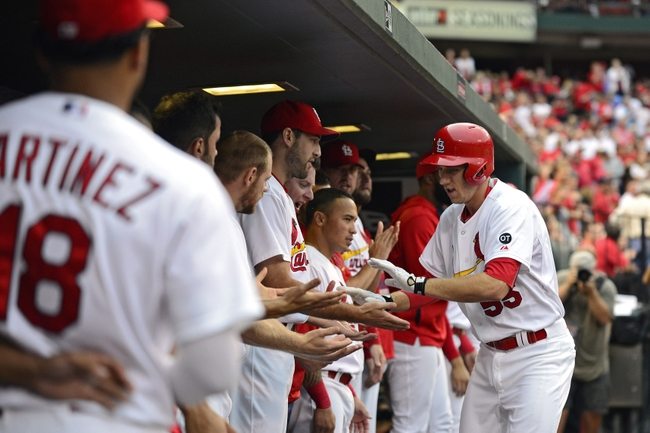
{"x": 402, "y": 300}
{"x": 367, "y": 278}
{"x": 272, "y": 334}
{"x": 347, "y": 312}
{"x": 471, "y": 288}
{"x": 18, "y": 368}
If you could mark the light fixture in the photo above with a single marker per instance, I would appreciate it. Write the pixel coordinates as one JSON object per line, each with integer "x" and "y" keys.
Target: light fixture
{"x": 247, "y": 89}
{"x": 394, "y": 155}
{"x": 343, "y": 129}
{"x": 169, "y": 23}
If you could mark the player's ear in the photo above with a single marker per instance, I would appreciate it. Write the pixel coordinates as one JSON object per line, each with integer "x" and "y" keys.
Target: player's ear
{"x": 288, "y": 137}
{"x": 197, "y": 147}
{"x": 319, "y": 218}
{"x": 250, "y": 176}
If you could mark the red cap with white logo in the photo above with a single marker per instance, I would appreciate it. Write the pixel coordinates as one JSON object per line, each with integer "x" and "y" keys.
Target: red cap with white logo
{"x": 338, "y": 153}
{"x": 95, "y": 20}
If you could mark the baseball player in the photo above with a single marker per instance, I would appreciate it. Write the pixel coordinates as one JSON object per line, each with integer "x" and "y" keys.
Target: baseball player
{"x": 244, "y": 167}
{"x": 293, "y": 130}
{"x": 103, "y": 245}
{"x": 330, "y": 218}
{"x": 491, "y": 252}
{"x": 421, "y": 402}
{"x": 300, "y": 190}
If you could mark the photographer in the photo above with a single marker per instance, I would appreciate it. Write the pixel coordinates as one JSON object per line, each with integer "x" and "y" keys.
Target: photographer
{"x": 588, "y": 297}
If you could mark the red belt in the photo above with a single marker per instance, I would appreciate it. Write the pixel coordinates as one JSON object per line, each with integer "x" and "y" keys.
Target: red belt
{"x": 511, "y": 342}
{"x": 344, "y": 378}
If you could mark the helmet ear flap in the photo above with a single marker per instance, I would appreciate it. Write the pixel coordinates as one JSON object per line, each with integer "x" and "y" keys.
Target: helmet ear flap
{"x": 475, "y": 175}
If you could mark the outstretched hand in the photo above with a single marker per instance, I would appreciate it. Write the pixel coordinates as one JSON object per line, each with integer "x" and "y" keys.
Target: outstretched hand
{"x": 361, "y": 296}
{"x": 316, "y": 346}
{"x": 399, "y": 277}
{"x": 299, "y": 298}
{"x": 375, "y": 314}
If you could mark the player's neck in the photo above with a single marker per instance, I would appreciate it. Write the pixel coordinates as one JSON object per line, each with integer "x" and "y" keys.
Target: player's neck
{"x": 478, "y": 198}
{"x": 111, "y": 88}
{"x": 316, "y": 238}
{"x": 279, "y": 168}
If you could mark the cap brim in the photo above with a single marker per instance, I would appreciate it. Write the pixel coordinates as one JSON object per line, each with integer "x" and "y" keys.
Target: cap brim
{"x": 321, "y": 132}
{"x": 155, "y": 10}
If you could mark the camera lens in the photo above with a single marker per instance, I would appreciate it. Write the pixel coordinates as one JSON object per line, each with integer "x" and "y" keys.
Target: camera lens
{"x": 584, "y": 275}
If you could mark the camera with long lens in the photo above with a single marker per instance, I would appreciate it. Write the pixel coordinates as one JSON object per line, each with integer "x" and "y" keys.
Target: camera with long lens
{"x": 584, "y": 275}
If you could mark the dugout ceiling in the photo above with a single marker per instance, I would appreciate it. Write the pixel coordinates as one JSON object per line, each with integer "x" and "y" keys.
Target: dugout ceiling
{"x": 350, "y": 60}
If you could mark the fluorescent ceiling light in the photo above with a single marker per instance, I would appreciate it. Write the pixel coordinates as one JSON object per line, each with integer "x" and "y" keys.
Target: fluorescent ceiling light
{"x": 393, "y": 155}
{"x": 170, "y": 23}
{"x": 342, "y": 129}
{"x": 155, "y": 24}
{"x": 247, "y": 89}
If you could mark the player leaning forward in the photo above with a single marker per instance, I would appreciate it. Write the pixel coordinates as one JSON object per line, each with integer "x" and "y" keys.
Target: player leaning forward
{"x": 492, "y": 253}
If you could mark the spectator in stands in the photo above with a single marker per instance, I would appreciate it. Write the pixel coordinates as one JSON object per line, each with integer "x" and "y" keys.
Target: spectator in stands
{"x": 629, "y": 216}
{"x": 465, "y": 64}
{"x": 604, "y": 200}
{"x": 610, "y": 258}
{"x": 617, "y": 79}
{"x": 588, "y": 297}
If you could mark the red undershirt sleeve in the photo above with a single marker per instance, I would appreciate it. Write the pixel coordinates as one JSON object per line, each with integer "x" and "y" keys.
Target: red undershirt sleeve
{"x": 504, "y": 269}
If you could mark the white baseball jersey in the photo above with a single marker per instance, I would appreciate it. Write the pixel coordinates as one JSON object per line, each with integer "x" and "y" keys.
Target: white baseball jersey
{"x": 358, "y": 255}
{"x": 321, "y": 267}
{"x": 508, "y": 224}
{"x": 113, "y": 242}
{"x": 260, "y": 403}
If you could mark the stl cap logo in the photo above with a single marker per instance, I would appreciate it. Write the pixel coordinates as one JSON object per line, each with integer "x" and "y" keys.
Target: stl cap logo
{"x": 347, "y": 150}
{"x": 440, "y": 146}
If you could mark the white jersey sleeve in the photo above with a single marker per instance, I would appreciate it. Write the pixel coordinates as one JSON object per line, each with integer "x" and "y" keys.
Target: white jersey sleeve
{"x": 272, "y": 230}
{"x": 198, "y": 264}
{"x": 435, "y": 257}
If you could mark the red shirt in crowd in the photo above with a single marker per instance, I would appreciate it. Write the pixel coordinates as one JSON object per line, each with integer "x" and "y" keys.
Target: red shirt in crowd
{"x": 609, "y": 257}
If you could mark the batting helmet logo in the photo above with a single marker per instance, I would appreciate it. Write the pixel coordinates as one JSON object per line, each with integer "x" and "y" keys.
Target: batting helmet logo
{"x": 440, "y": 146}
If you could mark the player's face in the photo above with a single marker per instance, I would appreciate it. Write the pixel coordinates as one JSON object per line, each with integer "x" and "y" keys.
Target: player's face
{"x": 302, "y": 154}
{"x": 344, "y": 177}
{"x": 300, "y": 190}
{"x": 211, "y": 146}
{"x": 453, "y": 181}
{"x": 256, "y": 190}
{"x": 363, "y": 192}
{"x": 339, "y": 227}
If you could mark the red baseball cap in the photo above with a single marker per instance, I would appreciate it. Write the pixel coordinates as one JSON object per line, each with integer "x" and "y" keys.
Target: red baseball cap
{"x": 294, "y": 115}
{"x": 424, "y": 167}
{"x": 339, "y": 153}
{"x": 94, "y": 20}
